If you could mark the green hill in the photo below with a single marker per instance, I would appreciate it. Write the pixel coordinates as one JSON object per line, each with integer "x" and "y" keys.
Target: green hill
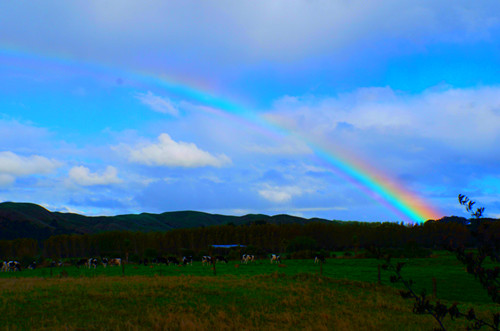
{"x": 28, "y": 220}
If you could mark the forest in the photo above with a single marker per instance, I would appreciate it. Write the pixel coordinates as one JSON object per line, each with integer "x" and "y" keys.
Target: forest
{"x": 259, "y": 238}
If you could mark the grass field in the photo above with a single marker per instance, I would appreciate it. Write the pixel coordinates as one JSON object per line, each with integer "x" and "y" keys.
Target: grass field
{"x": 255, "y": 296}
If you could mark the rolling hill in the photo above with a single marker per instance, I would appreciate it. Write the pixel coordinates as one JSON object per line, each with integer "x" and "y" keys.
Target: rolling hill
{"x": 28, "y": 220}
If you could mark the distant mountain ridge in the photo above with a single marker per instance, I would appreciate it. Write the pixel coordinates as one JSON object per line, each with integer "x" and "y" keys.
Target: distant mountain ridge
{"x": 29, "y": 220}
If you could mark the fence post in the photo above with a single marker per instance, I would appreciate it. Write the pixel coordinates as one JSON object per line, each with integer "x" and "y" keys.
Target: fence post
{"x": 379, "y": 278}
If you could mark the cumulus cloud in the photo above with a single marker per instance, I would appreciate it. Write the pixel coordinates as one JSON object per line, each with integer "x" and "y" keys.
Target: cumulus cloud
{"x": 13, "y": 165}
{"x": 82, "y": 176}
{"x": 159, "y": 104}
{"x": 169, "y": 153}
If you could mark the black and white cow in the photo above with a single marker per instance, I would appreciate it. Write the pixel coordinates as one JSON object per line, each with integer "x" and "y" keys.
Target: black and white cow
{"x": 32, "y": 265}
{"x": 14, "y": 266}
{"x": 247, "y": 258}
{"x": 206, "y": 259}
{"x": 92, "y": 263}
{"x": 187, "y": 260}
{"x": 105, "y": 262}
{"x": 275, "y": 258}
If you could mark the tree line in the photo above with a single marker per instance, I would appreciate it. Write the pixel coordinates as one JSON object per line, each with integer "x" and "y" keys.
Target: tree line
{"x": 259, "y": 238}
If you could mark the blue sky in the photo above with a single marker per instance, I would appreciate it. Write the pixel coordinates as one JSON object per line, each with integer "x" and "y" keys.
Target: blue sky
{"x": 89, "y": 124}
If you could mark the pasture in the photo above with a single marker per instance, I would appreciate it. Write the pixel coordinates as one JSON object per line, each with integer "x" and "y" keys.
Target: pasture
{"x": 241, "y": 296}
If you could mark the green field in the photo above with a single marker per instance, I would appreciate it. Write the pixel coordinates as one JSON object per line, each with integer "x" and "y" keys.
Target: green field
{"x": 254, "y": 296}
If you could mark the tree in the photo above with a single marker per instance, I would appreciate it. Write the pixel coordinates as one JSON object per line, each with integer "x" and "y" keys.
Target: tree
{"x": 488, "y": 246}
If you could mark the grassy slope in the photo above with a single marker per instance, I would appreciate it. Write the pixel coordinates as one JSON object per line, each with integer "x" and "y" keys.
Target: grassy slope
{"x": 27, "y": 220}
{"x": 254, "y": 296}
{"x": 453, "y": 283}
{"x": 205, "y": 303}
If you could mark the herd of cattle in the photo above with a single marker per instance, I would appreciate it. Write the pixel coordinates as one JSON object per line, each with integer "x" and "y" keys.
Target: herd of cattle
{"x": 186, "y": 260}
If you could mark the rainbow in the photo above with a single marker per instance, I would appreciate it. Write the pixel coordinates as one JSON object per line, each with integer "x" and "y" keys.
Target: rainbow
{"x": 373, "y": 182}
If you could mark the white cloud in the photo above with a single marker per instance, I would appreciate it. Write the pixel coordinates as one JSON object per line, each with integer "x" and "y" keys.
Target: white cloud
{"x": 465, "y": 120}
{"x": 82, "y": 176}
{"x": 170, "y": 153}
{"x": 280, "y": 194}
{"x": 13, "y": 166}
{"x": 159, "y": 104}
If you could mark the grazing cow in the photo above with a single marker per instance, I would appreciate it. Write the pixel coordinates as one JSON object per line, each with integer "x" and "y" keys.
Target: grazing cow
{"x": 187, "y": 260}
{"x": 82, "y": 262}
{"x": 247, "y": 258}
{"x": 206, "y": 260}
{"x": 5, "y": 266}
{"x": 275, "y": 258}
{"x": 32, "y": 266}
{"x": 92, "y": 263}
{"x": 220, "y": 259}
{"x": 319, "y": 258}
{"x": 172, "y": 260}
{"x": 104, "y": 262}
{"x": 115, "y": 261}
{"x": 56, "y": 264}
{"x": 14, "y": 266}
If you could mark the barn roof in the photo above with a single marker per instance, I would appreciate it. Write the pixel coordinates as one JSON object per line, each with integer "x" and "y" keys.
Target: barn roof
{"x": 227, "y": 246}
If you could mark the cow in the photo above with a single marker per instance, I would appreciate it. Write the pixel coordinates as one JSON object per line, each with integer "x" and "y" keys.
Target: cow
{"x": 247, "y": 258}
{"x": 14, "y": 266}
{"x": 275, "y": 258}
{"x": 187, "y": 260}
{"x": 56, "y": 264}
{"x": 104, "y": 262}
{"x": 206, "y": 260}
{"x": 220, "y": 259}
{"x": 32, "y": 266}
{"x": 172, "y": 260}
{"x": 115, "y": 261}
{"x": 5, "y": 266}
{"x": 319, "y": 258}
{"x": 92, "y": 263}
